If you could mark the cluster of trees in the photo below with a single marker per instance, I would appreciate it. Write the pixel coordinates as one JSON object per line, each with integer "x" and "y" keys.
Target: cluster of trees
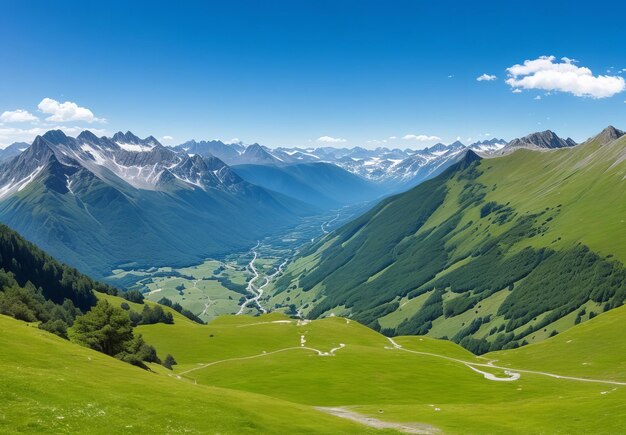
{"x": 179, "y": 309}
{"x": 108, "y": 329}
{"x": 421, "y": 323}
{"x": 148, "y": 316}
{"x": 57, "y": 281}
{"x": 134, "y": 296}
{"x": 28, "y": 303}
{"x": 503, "y": 212}
{"x": 562, "y": 283}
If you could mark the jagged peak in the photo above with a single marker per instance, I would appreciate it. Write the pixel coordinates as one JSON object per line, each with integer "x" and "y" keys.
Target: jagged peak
{"x": 127, "y": 137}
{"x": 87, "y": 136}
{"x": 468, "y": 157}
{"x": 55, "y": 137}
{"x": 609, "y": 134}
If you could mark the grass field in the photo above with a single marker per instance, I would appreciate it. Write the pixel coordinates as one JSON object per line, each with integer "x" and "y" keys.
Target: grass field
{"x": 263, "y": 355}
{"x": 268, "y": 373}
{"x": 50, "y": 385}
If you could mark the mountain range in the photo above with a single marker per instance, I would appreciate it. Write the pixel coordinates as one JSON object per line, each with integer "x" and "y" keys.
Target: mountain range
{"x": 100, "y": 203}
{"x": 393, "y": 170}
{"x": 492, "y": 253}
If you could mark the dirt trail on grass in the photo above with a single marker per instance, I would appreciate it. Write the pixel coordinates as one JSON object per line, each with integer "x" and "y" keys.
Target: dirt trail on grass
{"x": 512, "y": 373}
{"x": 243, "y": 358}
{"x": 416, "y": 428}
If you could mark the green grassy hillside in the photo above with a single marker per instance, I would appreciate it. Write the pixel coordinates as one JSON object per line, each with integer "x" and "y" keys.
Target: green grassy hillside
{"x": 49, "y": 385}
{"x": 271, "y": 374}
{"x": 592, "y": 349}
{"x": 492, "y": 254}
{"x": 424, "y": 381}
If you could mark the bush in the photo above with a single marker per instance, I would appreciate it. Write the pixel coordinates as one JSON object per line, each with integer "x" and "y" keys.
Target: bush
{"x": 169, "y": 361}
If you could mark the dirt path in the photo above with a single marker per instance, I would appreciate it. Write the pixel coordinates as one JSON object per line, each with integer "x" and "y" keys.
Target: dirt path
{"x": 243, "y": 358}
{"x": 512, "y": 373}
{"x": 209, "y": 301}
{"x": 417, "y": 428}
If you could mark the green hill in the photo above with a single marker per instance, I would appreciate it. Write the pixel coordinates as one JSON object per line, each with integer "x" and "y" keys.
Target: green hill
{"x": 342, "y": 364}
{"x": 591, "y": 349}
{"x": 493, "y": 253}
{"x": 272, "y": 374}
{"x": 50, "y": 385}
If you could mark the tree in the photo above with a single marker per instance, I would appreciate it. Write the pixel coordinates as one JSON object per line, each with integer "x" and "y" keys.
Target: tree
{"x": 169, "y": 361}
{"x": 133, "y": 296}
{"x": 137, "y": 351}
{"x": 105, "y": 328}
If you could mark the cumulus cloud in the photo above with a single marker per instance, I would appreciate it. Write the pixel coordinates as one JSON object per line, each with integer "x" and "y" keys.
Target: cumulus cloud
{"x": 9, "y": 135}
{"x": 486, "y": 78}
{"x": 18, "y": 115}
{"x": 67, "y": 111}
{"x": 517, "y": 91}
{"x": 329, "y": 139}
{"x": 420, "y": 137}
{"x": 548, "y": 74}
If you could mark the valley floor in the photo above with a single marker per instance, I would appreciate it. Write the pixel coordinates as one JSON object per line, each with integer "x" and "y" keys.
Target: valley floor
{"x": 238, "y": 283}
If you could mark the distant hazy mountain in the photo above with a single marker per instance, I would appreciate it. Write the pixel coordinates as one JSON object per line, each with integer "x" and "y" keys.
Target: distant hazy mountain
{"x": 97, "y": 203}
{"x": 324, "y": 185}
{"x": 393, "y": 169}
{"x": 13, "y": 150}
{"x": 228, "y": 153}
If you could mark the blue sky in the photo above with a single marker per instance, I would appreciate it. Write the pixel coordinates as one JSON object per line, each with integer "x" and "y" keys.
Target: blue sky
{"x": 288, "y": 73}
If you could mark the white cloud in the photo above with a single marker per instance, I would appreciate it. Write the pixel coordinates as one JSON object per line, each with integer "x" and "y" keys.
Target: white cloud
{"x": 393, "y": 137}
{"x": 18, "y": 115}
{"x": 538, "y": 97}
{"x": 486, "y": 78}
{"x": 329, "y": 139}
{"x": 167, "y": 138}
{"x": 10, "y": 135}
{"x": 517, "y": 91}
{"x": 68, "y": 111}
{"x": 233, "y": 140}
{"x": 420, "y": 137}
{"x": 546, "y": 74}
